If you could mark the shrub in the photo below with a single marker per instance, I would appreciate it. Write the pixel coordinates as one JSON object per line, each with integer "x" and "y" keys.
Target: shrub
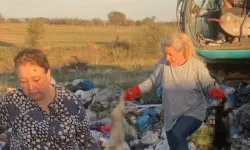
{"x": 147, "y": 40}
{"x": 14, "y": 20}
{"x": 116, "y": 54}
{"x": 35, "y": 32}
{"x": 124, "y": 44}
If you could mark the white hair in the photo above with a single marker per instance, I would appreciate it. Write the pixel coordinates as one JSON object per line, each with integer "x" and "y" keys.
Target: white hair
{"x": 180, "y": 42}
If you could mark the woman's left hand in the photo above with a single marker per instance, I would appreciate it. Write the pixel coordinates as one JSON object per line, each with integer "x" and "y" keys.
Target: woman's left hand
{"x": 217, "y": 93}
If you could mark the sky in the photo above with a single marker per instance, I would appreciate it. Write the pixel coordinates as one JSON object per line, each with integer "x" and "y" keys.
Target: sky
{"x": 164, "y": 10}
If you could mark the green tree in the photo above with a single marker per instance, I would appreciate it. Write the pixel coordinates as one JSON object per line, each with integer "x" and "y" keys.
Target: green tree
{"x": 148, "y": 20}
{"x": 116, "y": 18}
{"x": 35, "y": 32}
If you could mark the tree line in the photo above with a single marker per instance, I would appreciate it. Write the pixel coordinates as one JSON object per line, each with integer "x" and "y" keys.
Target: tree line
{"x": 115, "y": 18}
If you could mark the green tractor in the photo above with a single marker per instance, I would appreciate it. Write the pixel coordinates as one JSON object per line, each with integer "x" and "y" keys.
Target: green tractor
{"x": 230, "y": 59}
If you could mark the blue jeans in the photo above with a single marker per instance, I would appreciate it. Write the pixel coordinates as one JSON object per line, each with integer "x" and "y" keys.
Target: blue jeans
{"x": 185, "y": 126}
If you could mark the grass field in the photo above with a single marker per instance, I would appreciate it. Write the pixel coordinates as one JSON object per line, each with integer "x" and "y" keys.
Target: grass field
{"x": 66, "y": 35}
{"x": 63, "y": 44}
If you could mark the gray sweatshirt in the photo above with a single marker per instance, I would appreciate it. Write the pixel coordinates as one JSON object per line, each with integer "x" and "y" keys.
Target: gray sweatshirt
{"x": 183, "y": 89}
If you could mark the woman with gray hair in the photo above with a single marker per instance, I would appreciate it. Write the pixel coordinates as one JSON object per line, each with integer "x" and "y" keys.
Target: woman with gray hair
{"x": 184, "y": 80}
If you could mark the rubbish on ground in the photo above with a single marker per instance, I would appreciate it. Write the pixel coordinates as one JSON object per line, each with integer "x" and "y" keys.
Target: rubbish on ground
{"x": 148, "y": 118}
{"x": 148, "y": 106}
{"x": 203, "y": 136}
{"x": 80, "y": 84}
{"x": 149, "y": 137}
{"x": 162, "y": 145}
{"x": 139, "y": 125}
{"x": 106, "y": 98}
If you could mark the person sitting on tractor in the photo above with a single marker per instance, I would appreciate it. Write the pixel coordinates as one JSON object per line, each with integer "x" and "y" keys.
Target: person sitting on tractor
{"x": 236, "y": 7}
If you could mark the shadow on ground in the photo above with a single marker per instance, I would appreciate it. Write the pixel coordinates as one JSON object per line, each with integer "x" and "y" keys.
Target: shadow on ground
{"x": 7, "y": 44}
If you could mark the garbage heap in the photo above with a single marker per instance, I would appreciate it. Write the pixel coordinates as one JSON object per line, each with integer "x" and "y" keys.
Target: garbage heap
{"x": 142, "y": 124}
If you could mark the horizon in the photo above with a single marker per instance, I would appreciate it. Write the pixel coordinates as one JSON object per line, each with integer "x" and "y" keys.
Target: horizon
{"x": 83, "y": 9}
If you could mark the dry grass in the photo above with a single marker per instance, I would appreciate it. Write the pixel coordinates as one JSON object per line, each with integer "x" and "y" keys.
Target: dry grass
{"x": 70, "y": 35}
{"x": 62, "y": 44}
{"x": 66, "y": 35}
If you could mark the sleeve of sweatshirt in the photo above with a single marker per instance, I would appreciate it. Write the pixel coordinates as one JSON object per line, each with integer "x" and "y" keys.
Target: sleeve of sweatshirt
{"x": 206, "y": 81}
{"x": 155, "y": 78}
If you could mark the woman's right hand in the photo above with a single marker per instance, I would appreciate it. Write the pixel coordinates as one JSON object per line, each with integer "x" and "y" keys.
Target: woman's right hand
{"x": 132, "y": 93}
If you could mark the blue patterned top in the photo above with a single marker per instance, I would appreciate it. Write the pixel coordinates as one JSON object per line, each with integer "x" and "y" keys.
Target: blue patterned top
{"x": 63, "y": 128}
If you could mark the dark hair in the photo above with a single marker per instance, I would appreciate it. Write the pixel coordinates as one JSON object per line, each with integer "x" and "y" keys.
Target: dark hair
{"x": 33, "y": 56}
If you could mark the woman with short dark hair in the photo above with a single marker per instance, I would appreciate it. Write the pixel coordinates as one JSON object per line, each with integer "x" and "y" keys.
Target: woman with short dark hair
{"x": 43, "y": 115}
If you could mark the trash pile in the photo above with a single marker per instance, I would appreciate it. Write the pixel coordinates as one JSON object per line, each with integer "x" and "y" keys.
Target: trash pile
{"x": 142, "y": 123}
{"x": 237, "y": 108}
